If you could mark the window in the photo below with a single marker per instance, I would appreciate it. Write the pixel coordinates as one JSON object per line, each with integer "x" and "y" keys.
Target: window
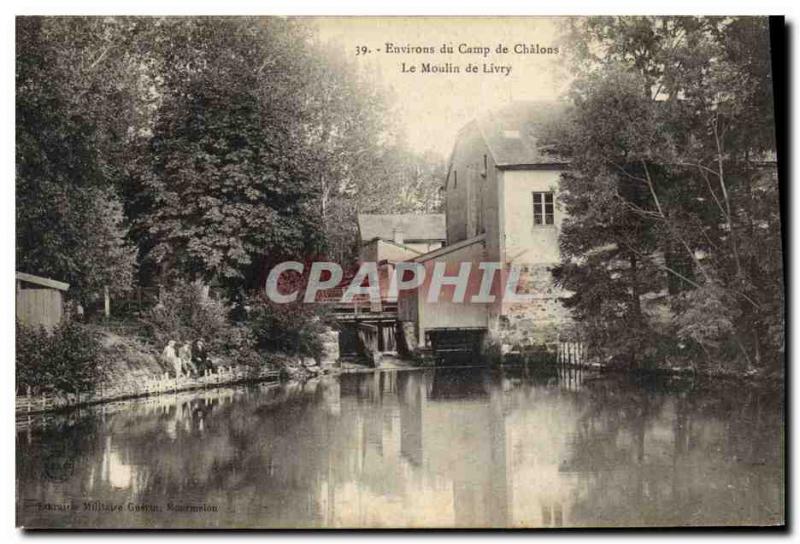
{"x": 455, "y": 179}
{"x": 542, "y": 208}
{"x": 485, "y": 166}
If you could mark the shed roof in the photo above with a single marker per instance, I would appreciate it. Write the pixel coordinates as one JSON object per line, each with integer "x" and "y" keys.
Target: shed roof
{"x": 481, "y": 238}
{"x": 513, "y": 133}
{"x": 414, "y": 227}
{"x": 44, "y": 282}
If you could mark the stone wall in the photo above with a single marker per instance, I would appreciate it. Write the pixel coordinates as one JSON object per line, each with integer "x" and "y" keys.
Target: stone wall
{"x": 540, "y": 320}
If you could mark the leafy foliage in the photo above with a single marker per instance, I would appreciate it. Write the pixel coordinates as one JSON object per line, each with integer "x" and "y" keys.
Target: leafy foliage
{"x": 230, "y": 143}
{"x": 70, "y": 223}
{"x": 294, "y": 329}
{"x": 65, "y": 360}
{"x": 673, "y": 198}
{"x": 186, "y": 313}
{"x": 74, "y": 235}
{"x": 357, "y": 154}
{"x": 705, "y": 316}
{"x": 226, "y": 183}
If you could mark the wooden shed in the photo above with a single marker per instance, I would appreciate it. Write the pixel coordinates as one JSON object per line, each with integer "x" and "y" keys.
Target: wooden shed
{"x": 40, "y": 301}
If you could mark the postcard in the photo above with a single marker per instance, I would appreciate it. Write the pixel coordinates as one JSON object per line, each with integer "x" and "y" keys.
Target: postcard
{"x": 399, "y": 272}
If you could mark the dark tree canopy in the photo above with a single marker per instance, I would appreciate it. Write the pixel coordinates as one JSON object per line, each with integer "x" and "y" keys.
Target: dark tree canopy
{"x": 70, "y": 223}
{"x": 673, "y": 237}
{"x": 157, "y": 149}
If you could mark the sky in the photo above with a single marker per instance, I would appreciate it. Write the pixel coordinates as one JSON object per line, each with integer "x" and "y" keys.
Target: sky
{"x": 432, "y": 107}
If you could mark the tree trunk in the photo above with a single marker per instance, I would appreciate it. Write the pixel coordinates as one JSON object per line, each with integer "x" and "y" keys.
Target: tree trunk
{"x": 106, "y": 303}
{"x": 636, "y": 305}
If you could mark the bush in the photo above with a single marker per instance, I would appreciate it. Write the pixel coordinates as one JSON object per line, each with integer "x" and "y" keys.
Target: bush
{"x": 185, "y": 313}
{"x": 66, "y": 360}
{"x": 295, "y": 328}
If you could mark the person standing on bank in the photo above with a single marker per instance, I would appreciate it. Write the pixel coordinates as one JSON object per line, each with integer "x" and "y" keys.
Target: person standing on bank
{"x": 170, "y": 357}
{"x": 185, "y": 355}
{"x": 200, "y": 356}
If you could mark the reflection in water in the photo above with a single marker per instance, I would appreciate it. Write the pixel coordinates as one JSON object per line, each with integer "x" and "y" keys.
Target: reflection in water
{"x": 427, "y": 448}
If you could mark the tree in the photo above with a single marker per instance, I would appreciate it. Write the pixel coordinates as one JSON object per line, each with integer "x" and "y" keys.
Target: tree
{"x": 215, "y": 146}
{"x": 227, "y": 185}
{"x": 357, "y": 154}
{"x": 606, "y": 240}
{"x": 70, "y": 224}
{"x": 265, "y": 146}
{"x": 670, "y": 143}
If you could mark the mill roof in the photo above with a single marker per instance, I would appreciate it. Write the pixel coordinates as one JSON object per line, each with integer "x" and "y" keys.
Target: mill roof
{"x": 414, "y": 227}
{"x": 514, "y": 132}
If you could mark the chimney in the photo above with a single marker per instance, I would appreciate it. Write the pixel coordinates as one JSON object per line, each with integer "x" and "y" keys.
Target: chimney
{"x": 398, "y": 236}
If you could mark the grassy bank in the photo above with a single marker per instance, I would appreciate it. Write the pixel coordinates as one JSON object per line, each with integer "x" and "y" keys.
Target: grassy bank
{"x": 76, "y": 359}
{"x": 129, "y": 367}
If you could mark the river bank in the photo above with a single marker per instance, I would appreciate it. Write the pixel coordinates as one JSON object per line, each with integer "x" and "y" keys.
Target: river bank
{"x": 233, "y": 375}
{"x": 134, "y": 369}
{"x": 292, "y": 370}
{"x": 35, "y": 404}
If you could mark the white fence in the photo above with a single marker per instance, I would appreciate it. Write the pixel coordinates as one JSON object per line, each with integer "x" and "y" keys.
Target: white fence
{"x": 165, "y": 383}
{"x": 572, "y": 353}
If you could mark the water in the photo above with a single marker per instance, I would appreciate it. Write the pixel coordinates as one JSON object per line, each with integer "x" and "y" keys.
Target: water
{"x": 421, "y": 448}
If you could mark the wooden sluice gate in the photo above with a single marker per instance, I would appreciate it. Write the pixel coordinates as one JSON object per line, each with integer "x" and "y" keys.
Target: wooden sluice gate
{"x": 366, "y": 327}
{"x": 375, "y": 339}
{"x": 368, "y": 336}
